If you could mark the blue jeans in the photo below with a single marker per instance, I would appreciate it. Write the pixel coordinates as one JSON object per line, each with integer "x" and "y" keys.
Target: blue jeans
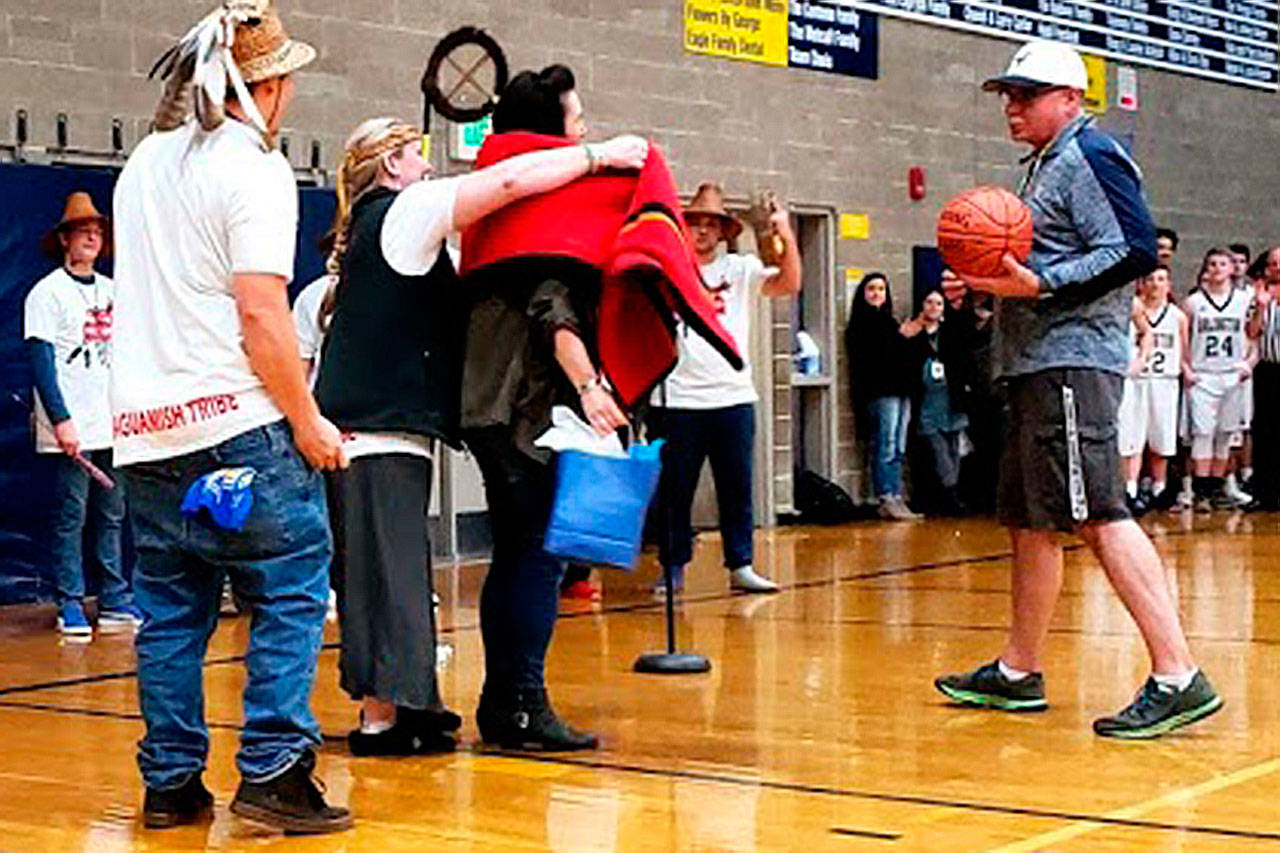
{"x": 694, "y": 436}
{"x": 279, "y": 563}
{"x": 521, "y": 595}
{"x": 890, "y": 417}
{"x": 77, "y": 499}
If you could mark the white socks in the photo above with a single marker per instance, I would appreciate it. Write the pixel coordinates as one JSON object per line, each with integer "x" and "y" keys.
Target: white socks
{"x": 1010, "y": 673}
{"x": 1131, "y": 488}
{"x": 1178, "y": 681}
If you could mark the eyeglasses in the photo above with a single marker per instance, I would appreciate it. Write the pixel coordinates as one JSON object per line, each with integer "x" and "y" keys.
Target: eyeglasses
{"x": 1024, "y": 95}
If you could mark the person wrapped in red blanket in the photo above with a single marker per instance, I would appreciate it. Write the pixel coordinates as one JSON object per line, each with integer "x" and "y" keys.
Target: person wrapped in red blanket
{"x": 607, "y": 252}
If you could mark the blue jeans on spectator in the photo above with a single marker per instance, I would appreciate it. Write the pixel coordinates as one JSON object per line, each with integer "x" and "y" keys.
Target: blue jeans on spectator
{"x": 725, "y": 437}
{"x": 521, "y": 595}
{"x": 890, "y": 417}
{"x": 279, "y": 563}
{"x": 78, "y": 499}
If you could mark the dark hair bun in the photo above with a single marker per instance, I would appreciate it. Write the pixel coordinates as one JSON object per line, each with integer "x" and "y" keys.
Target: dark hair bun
{"x": 531, "y": 101}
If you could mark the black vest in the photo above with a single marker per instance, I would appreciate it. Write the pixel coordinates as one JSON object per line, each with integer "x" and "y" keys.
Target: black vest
{"x": 392, "y": 358}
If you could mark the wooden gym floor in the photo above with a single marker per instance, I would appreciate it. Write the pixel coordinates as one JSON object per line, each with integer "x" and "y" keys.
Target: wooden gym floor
{"x": 817, "y": 729}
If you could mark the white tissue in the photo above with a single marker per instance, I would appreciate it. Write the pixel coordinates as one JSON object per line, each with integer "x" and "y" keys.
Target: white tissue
{"x": 569, "y": 432}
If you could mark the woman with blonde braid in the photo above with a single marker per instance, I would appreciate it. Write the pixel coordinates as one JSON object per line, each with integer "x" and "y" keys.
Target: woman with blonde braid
{"x": 390, "y": 375}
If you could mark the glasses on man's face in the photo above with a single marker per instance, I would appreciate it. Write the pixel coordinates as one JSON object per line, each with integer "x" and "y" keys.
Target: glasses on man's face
{"x": 1026, "y": 95}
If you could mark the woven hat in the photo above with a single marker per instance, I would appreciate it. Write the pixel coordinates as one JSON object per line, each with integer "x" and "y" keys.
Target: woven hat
{"x": 709, "y": 201}
{"x": 240, "y": 43}
{"x": 262, "y": 49}
{"x": 78, "y": 210}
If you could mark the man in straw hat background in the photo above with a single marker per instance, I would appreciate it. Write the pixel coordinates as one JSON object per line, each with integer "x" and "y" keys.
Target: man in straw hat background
{"x": 67, "y": 328}
{"x": 209, "y": 383}
{"x": 706, "y": 409}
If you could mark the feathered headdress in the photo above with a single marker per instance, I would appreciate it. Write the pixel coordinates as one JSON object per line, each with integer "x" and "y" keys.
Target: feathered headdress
{"x": 240, "y": 42}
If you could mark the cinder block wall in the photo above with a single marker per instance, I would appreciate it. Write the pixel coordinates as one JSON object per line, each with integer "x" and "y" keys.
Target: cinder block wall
{"x": 1208, "y": 149}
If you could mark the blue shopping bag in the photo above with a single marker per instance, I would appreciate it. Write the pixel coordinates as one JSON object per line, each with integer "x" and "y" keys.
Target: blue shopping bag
{"x": 600, "y": 505}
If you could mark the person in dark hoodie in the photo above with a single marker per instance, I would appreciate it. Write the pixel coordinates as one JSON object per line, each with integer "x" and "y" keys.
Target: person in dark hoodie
{"x": 881, "y": 382}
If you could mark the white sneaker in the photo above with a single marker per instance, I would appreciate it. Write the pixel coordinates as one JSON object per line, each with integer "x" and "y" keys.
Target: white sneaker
{"x": 1238, "y": 496}
{"x": 746, "y": 580}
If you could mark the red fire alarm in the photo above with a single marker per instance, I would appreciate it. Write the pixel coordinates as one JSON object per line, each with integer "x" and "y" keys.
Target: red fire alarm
{"x": 915, "y": 183}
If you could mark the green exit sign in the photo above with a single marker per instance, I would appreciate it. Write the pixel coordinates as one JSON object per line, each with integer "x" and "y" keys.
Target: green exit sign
{"x": 467, "y": 138}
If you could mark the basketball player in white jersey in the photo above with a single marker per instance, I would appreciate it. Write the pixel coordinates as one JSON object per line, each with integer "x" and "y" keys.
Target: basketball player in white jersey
{"x": 1217, "y": 360}
{"x": 1240, "y": 469}
{"x": 1149, "y": 407}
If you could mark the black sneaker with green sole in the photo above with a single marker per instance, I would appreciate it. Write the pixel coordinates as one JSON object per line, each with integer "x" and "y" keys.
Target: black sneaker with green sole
{"x": 1158, "y": 710}
{"x": 986, "y": 687}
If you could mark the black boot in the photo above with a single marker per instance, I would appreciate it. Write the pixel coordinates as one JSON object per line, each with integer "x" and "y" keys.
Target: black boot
{"x": 952, "y": 505}
{"x": 291, "y": 801}
{"x": 188, "y": 803}
{"x": 416, "y": 732}
{"x": 525, "y": 721}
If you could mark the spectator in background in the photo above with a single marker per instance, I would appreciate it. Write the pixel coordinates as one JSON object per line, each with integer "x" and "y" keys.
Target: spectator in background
{"x": 306, "y": 314}
{"x": 1166, "y": 246}
{"x": 705, "y": 409}
{"x": 881, "y": 381}
{"x": 1218, "y": 359}
{"x": 1240, "y": 257}
{"x": 67, "y": 327}
{"x": 1239, "y": 480}
{"x": 1148, "y": 418}
{"x": 1264, "y": 326}
{"x": 941, "y": 420}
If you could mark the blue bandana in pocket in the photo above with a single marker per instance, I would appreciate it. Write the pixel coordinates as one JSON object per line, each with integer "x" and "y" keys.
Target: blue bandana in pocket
{"x": 224, "y": 494}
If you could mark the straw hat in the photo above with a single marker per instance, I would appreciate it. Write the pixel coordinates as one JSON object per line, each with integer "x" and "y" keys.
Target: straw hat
{"x": 78, "y": 210}
{"x": 709, "y": 200}
{"x": 262, "y": 49}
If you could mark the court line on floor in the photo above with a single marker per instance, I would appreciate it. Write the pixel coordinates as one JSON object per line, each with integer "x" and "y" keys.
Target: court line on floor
{"x": 865, "y": 833}
{"x": 1081, "y": 823}
{"x": 630, "y": 607}
{"x": 1182, "y": 795}
{"x": 910, "y": 799}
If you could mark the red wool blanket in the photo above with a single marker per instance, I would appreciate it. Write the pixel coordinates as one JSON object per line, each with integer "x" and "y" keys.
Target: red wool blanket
{"x": 629, "y": 226}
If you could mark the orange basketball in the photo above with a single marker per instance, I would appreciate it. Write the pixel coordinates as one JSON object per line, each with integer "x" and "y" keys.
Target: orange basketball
{"x": 977, "y": 227}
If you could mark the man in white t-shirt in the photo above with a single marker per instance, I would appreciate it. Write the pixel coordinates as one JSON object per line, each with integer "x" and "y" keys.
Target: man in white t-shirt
{"x": 705, "y": 409}
{"x": 67, "y": 329}
{"x": 207, "y": 381}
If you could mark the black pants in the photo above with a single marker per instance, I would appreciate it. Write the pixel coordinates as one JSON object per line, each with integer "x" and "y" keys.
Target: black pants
{"x": 725, "y": 437}
{"x": 379, "y": 517}
{"x": 1266, "y": 432}
{"x": 520, "y": 598}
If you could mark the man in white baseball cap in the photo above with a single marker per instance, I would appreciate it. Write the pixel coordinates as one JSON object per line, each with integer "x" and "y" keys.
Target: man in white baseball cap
{"x": 1042, "y": 64}
{"x": 1062, "y": 353}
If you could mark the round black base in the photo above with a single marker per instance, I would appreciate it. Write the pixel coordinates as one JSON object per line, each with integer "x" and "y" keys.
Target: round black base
{"x": 672, "y": 663}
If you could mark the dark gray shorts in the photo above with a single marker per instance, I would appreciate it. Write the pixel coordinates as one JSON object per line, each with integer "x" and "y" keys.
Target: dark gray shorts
{"x": 1060, "y": 466}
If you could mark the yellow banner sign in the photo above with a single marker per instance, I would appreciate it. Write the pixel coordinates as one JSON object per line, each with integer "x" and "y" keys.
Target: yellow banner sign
{"x": 749, "y": 30}
{"x": 1095, "y": 97}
